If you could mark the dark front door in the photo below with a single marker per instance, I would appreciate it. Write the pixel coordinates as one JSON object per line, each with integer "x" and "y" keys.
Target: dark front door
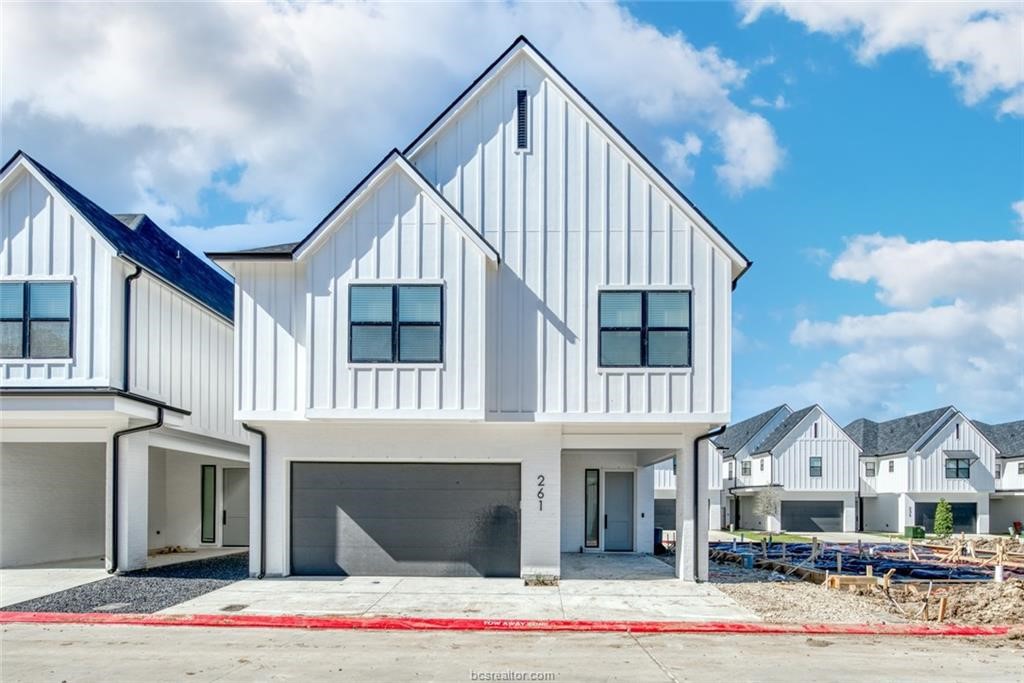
{"x": 618, "y": 509}
{"x": 405, "y": 519}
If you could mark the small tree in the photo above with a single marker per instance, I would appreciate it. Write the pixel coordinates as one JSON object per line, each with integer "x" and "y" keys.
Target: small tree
{"x": 943, "y": 518}
{"x": 766, "y": 504}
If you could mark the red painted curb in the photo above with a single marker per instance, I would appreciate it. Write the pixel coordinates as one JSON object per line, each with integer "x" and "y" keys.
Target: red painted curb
{"x": 432, "y": 624}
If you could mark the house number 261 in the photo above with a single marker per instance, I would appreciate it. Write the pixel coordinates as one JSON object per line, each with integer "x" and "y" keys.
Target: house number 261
{"x": 540, "y": 491}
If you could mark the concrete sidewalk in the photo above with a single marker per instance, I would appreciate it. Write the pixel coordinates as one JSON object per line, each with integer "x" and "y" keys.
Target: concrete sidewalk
{"x": 19, "y": 584}
{"x": 649, "y": 594}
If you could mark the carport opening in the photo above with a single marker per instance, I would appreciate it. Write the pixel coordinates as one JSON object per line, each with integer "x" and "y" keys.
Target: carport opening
{"x": 52, "y": 504}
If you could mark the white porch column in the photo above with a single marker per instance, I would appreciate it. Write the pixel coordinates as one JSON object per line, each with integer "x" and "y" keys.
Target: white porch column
{"x": 984, "y": 523}
{"x": 255, "y": 502}
{"x": 702, "y": 521}
{"x": 905, "y": 512}
{"x": 133, "y": 502}
{"x": 686, "y": 535}
{"x": 541, "y": 511}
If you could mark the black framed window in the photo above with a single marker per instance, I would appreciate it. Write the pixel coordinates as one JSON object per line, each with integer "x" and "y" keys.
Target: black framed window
{"x": 35, "y": 319}
{"x": 999, "y": 471}
{"x": 592, "y": 503}
{"x": 522, "y": 120}
{"x": 644, "y": 329}
{"x": 869, "y": 469}
{"x": 745, "y": 469}
{"x": 208, "y": 504}
{"x": 395, "y": 324}
{"x": 815, "y": 466}
{"x": 761, "y": 465}
{"x": 892, "y": 465}
{"x": 958, "y": 468}
{"x": 1020, "y": 468}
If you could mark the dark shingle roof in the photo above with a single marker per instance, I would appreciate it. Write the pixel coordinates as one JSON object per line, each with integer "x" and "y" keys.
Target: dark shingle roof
{"x": 274, "y": 251}
{"x": 893, "y": 436}
{"x": 141, "y": 241}
{"x": 784, "y": 428}
{"x": 736, "y": 436}
{"x": 1008, "y": 437}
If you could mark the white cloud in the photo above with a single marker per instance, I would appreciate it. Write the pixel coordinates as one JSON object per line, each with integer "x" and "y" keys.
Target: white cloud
{"x": 752, "y": 154}
{"x": 1018, "y": 208}
{"x": 954, "y": 332}
{"x": 979, "y": 44}
{"x": 778, "y": 103}
{"x": 141, "y": 105}
{"x": 817, "y": 255}
{"x": 677, "y": 155}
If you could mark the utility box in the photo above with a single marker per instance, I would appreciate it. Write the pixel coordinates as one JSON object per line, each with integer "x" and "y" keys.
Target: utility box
{"x": 913, "y": 532}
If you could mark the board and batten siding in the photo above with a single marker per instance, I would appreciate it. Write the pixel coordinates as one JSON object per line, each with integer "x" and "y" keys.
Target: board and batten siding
{"x": 839, "y": 457}
{"x": 928, "y": 467}
{"x": 42, "y": 239}
{"x": 570, "y": 217}
{"x": 396, "y": 235}
{"x": 181, "y": 353}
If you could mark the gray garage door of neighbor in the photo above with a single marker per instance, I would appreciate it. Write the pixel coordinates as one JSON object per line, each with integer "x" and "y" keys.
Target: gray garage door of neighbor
{"x": 812, "y": 515}
{"x": 965, "y": 516}
{"x": 405, "y": 519}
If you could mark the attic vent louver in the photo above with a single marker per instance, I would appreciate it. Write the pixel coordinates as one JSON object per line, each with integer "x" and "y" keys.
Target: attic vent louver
{"x": 522, "y": 139}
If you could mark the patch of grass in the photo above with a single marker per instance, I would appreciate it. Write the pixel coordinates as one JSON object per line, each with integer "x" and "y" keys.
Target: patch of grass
{"x": 756, "y": 537}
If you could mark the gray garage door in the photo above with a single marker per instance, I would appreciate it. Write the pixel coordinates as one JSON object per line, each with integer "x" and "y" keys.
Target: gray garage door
{"x": 812, "y": 515}
{"x": 405, "y": 519}
{"x": 965, "y": 516}
{"x": 665, "y": 513}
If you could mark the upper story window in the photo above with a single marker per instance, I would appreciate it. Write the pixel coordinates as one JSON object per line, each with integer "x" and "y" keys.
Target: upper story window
{"x": 957, "y": 430}
{"x": 1020, "y": 468}
{"x": 644, "y": 329}
{"x": 745, "y": 468}
{"x": 35, "y": 319}
{"x": 958, "y": 468}
{"x": 732, "y": 471}
{"x": 892, "y": 465}
{"x": 815, "y": 466}
{"x": 522, "y": 120}
{"x": 814, "y": 429}
{"x": 761, "y": 465}
{"x": 395, "y": 324}
{"x": 869, "y": 469}
{"x": 999, "y": 471}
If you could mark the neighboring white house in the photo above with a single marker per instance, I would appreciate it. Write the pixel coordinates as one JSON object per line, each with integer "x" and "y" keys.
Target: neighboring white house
{"x": 910, "y": 463}
{"x": 470, "y": 365}
{"x": 71, "y": 397}
{"x": 1006, "y": 505}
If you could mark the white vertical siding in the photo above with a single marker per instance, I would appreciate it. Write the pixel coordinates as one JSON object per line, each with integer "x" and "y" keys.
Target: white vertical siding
{"x": 570, "y": 217}
{"x": 1012, "y": 479}
{"x": 928, "y": 468}
{"x": 839, "y": 456}
{"x": 181, "y": 353}
{"x": 40, "y": 238}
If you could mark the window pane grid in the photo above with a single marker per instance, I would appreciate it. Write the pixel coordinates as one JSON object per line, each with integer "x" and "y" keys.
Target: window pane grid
{"x": 644, "y": 329}
{"x": 35, "y": 319}
{"x": 395, "y": 324}
{"x": 958, "y": 468}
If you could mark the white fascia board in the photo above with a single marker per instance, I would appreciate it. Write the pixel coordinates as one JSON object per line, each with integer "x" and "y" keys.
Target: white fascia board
{"x": 933, "y": 431}
{"x": 739, "y": 261}
{"x": 394, "y": 162}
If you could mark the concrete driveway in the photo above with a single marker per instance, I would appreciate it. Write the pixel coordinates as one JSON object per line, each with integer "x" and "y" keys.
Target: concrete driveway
{"x": 19, "y": 584}
{"x": 647, "y": 591}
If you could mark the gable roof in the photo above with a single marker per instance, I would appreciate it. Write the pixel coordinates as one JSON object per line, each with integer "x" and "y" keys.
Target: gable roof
{"x": 784, "y": 428}
{"x": 136, "y": 238}
{"x": 893, "y": 436}
{"x": 1008, "y": 437}
{"x": 394, "y": 159}
{"x": 738, "y": 435}
{"x": 523, "y": 45}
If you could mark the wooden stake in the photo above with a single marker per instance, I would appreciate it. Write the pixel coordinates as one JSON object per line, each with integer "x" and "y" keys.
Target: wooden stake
{"x": 839, "y": 562}
{"x": 942, "y": 608}
{"x": 783, "y": 552}
{"x": 869, "y": 570}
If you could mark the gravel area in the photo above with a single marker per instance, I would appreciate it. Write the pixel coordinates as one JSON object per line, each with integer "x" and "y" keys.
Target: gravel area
{"x": 146, "y": 591}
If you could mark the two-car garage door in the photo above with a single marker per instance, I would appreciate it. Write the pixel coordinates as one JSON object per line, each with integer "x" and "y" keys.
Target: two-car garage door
{"x": 405, "y": 519}
{"x": 812, "y": 515}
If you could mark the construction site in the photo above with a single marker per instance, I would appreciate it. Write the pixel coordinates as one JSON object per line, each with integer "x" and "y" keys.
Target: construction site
{"x": 954, "y": 580}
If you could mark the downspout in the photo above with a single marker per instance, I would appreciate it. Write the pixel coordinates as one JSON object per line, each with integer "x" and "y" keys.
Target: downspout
{"x": 114, "y": 475}
{"x": 696, "y": 494}
{"x": 263, "y": 497}
{"x": 127, "y": 325}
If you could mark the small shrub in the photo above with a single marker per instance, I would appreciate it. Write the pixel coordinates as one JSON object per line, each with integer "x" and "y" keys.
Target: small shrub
{"x": 943, "y": 518}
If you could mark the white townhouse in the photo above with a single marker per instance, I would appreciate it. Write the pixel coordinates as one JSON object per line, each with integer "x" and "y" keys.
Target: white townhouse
{"x": 116, "y": 426}
{"x": 470, "y": 365}
{"x": 910, "y": 463}
{"x": 1006, "y": 503}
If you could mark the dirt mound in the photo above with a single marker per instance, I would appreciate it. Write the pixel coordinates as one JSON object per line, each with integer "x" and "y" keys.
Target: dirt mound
{"x": 980, "y": 603}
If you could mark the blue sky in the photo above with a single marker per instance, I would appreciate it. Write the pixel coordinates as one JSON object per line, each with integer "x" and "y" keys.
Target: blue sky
{"x": 867, "y": 159}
